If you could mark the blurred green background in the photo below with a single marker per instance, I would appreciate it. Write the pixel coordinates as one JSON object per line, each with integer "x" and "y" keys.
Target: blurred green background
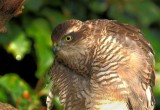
{"x": 26, "y": 52}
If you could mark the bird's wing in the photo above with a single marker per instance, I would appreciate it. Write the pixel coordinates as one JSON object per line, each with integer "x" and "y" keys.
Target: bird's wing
{"x": 138, "y": 72}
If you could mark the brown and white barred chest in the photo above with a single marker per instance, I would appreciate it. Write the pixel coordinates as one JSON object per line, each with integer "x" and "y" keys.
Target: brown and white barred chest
{"x": 72, "y": 89}
{"x": 110, "y": 58}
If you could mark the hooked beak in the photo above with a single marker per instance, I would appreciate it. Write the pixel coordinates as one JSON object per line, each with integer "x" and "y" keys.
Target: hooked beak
{"x": 56, "y": 47}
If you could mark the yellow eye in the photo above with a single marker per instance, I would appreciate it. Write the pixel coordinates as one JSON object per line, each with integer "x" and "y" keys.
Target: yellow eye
{"x": 68, "y": 38}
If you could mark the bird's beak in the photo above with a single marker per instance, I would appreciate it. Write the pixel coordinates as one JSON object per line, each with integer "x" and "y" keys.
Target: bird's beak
{"x": 54, "y": 44}
{"x": 55, "y": 47}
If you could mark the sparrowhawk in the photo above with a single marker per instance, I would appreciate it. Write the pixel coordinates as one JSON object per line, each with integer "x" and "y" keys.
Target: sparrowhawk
{"x": 102, "y": 65}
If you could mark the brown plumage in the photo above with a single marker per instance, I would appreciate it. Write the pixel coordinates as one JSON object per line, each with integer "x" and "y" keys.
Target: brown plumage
{"x": 9, "y": 9}
{"x": 4, "y": 106}
{"x": 102, "y": 65}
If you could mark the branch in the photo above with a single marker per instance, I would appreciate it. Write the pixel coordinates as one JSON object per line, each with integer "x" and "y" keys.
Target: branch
{"x": 9, "y": 9}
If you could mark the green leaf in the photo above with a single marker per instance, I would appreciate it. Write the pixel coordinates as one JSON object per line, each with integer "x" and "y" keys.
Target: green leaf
{"x": 53, "y": 3}
{"x": 40, "y": 31}
{"x": 156, "y": 89}
{"x": 98, "y": 6}
{"x": 57, "y": 103}
{"x": 157, "y": 66}
{"x": 157, "y": 86}
{"x": 3, "y": 95}
{"x": 53, "y": 16}
{"x": 33, "y": 5}
{"x": 151, "y": 37}
{"x": 15, "y": 41}
{"x": 116, "y": 12}
{"x": 19, "y": 91}
{"x": 145, "y": 10}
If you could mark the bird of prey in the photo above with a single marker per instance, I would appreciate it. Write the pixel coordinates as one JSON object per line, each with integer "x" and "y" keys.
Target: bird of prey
{"x": 101, "y": 65}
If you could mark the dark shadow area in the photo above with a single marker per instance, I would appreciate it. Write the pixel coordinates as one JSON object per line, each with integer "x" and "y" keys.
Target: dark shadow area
{"x": 24, "y": 68}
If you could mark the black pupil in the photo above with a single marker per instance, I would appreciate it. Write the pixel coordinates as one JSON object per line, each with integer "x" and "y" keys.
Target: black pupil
{"x": 68, "y": 38}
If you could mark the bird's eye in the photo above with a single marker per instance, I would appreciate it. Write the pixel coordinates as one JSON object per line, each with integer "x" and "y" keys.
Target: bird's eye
{"x": 68, "y": 38}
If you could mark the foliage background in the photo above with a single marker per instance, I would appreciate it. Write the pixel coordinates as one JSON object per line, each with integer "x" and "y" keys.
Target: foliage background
{"x": 26, "y": 53}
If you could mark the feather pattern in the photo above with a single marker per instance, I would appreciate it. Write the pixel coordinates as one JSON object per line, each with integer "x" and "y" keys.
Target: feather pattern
{"x": 107, "y": 66}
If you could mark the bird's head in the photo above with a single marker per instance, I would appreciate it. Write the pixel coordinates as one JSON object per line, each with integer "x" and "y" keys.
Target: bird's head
{"x": 71, "y": 45}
